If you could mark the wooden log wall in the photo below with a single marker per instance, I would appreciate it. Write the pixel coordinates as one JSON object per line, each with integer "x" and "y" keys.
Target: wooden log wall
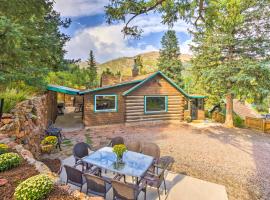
{"x": 92, "y": 118}
{"x": 52, "y": 105}
{"x": 135, "y": 109}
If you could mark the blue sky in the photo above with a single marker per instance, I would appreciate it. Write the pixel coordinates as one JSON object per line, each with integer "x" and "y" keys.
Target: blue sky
{"x": 89, "y": 30}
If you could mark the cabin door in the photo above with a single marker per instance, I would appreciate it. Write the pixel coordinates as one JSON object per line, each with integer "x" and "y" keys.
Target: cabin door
{"x": 194, "y": 109}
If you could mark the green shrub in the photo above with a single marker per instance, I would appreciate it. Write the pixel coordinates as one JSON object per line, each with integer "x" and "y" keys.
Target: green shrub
{"x": 188, "y": 119}
{"x": 238, "y": 121}
{"x": 11, "y": 98}
{"x": 49, "y": 140}
{"x": 34, "y": 188}
{"x": 9, "y": 160}
{"x": 3, "y": 148}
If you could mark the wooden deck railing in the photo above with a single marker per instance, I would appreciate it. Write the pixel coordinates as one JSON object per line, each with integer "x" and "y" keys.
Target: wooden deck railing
{"x": 258, "y": 124}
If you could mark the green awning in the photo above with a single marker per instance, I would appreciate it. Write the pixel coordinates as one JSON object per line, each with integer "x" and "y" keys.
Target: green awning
{"x": 63, "y": 89}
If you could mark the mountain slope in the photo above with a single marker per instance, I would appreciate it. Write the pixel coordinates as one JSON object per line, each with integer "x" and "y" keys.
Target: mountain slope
{"x": 125, "y": 64}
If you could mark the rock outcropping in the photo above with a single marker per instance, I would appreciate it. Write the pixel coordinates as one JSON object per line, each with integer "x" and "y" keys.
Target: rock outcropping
{"x": 26, "y": 123}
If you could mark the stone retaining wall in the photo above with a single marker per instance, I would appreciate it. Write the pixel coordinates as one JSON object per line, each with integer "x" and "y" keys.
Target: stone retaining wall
{"x": 26, "y": 123}
{"x": 43, "y": 169}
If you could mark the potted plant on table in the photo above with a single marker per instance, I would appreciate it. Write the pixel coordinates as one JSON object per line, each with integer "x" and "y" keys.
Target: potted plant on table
{"x": 119, "y": 150}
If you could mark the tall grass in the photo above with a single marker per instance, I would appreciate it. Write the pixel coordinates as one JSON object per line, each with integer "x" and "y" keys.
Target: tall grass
{"x": 11, "y": 97}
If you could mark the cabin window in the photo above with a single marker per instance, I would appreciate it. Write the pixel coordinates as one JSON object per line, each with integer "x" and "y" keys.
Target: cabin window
{"x": 105, "y": 103}
{"x": 153, "y": 104}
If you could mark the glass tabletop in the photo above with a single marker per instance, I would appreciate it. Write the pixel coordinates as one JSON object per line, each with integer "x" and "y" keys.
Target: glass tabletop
{"x": 135, "y": 164}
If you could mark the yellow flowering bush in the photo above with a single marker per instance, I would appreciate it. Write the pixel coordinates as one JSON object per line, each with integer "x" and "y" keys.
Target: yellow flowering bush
{"x": 9, "y": 160}
{"x": 48, "y": 144}
{"x": 34, "y": 188}
{"x": 49, "y": 140}
{"x": 3, "y": 148}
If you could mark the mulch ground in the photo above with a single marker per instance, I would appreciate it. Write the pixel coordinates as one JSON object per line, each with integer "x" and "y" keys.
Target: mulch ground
{"x": 15, "y": 176}
{"x": 53, "y": 164}
{"x": 59, "y": 193}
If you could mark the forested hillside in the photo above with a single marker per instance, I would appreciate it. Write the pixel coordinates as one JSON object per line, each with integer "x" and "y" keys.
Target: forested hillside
{"x": 124, "y": 64}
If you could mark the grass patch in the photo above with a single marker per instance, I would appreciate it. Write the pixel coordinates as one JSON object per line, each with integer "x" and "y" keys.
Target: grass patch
{"x": 88, "y": 138}
{"x": 67, "y": 142}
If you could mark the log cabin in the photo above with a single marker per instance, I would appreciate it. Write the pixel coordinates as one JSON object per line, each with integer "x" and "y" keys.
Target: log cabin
{"x": 154, "y": 98}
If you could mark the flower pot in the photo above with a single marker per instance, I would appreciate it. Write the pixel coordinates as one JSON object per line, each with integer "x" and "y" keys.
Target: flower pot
{"x": 47, "y": 148}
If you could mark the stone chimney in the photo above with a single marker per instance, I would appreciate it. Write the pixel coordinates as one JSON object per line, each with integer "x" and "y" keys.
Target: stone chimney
{"x": 135, "y": 69}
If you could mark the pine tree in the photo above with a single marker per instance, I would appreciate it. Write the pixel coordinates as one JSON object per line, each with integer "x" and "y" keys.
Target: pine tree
{"x": 232, "y": 51}
{"x": 92, "y": 71}
{"x": 31, "y": 42}
{"x": 169, "y": 61}
{"x": 139, "y": 63}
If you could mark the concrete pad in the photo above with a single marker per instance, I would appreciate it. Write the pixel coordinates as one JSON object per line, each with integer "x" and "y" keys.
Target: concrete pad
{"x": 189, "y": 188}
{"x": 179, "y": 187}
{"x": 70, "y": 121}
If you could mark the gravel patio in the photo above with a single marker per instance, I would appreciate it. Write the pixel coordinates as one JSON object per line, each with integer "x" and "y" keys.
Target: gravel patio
{"x": 236, "y": 158}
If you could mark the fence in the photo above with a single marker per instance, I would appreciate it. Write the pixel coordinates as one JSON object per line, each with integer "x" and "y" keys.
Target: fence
{"x": 218, "y": 117}
{"x": 258, "y": 124}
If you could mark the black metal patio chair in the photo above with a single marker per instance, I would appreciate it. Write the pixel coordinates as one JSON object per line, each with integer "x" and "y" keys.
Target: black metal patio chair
{"x": 81, "y": 150}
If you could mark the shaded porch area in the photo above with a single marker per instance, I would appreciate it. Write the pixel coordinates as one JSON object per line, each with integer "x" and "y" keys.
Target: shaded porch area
{"x": 65, "y": 107}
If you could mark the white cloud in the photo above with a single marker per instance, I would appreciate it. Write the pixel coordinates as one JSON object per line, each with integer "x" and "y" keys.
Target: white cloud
{"x": 152, "y": 24}
{"x": 185, "y": 47}
{"x": 76, "y": 8}
{"x": 107, "y": 42}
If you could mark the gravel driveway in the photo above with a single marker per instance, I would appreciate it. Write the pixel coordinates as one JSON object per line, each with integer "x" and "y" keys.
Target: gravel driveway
{"x": 236, "y": 158}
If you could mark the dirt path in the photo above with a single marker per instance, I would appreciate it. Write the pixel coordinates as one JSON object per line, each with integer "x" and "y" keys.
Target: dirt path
{"x": 236, "y": 158}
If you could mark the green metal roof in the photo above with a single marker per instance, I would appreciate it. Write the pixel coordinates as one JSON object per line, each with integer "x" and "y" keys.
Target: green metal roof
{"x": 109, "y": 87}
{"x": 72, "y": 91}
{"x": 168, "y": 79}
{"x": 63, "y": 89}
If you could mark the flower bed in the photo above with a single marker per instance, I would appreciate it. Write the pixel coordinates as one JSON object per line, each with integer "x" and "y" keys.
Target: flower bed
{"x": 22, "y": 172}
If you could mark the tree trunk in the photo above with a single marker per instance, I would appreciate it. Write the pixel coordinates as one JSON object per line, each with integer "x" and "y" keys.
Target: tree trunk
{"x": 229, "y": 110}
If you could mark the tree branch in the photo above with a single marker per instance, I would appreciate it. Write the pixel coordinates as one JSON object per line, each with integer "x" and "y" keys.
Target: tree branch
{"x": 143, "y": 11}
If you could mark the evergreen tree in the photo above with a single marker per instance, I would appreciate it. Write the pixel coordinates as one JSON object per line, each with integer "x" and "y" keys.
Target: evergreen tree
{"x": 231, "y": 55}
{"x": 92, "y": 71}
{"x": 169, "y": 61}
{"x": 30, "y": 40}
{"x": 139, "y": 63}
